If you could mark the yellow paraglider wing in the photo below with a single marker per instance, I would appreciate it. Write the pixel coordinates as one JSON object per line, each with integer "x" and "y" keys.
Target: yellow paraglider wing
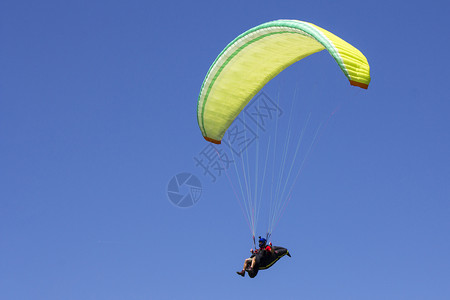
{"x": 255, "y": 57}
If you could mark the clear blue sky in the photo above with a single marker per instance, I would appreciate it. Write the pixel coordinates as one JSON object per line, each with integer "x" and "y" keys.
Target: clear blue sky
{"x": 97, "y": 113}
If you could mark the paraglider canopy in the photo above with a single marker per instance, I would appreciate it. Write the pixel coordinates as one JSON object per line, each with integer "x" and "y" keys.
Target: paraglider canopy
{"x": 258, "y": 55}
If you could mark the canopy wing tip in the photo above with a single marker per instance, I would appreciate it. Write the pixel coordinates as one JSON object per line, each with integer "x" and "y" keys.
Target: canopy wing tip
{"x": 212, "y": 140}
{"x": 359, "y": 84}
